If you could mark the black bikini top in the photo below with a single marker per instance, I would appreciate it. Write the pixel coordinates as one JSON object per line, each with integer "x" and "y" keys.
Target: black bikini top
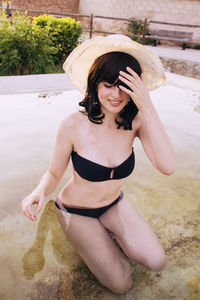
{"x": 92, "y": 171}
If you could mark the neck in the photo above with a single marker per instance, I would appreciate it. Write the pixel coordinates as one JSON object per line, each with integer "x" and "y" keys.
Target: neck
{"x": 109, "y": 119}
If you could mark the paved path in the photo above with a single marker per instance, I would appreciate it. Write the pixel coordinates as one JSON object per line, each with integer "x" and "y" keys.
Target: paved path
{"x": 177, "y": 53}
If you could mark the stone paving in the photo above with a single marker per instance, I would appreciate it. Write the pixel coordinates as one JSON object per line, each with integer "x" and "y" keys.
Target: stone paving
{"x": 183, "y": 62}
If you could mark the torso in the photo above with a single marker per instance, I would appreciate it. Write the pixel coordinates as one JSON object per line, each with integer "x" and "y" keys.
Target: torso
{"x": 105, "y": 146}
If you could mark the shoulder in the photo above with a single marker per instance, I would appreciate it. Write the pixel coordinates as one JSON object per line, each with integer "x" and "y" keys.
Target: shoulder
{"x": 66, "y": 126}
{"x": 69, "y": 125}
{"x": 70, "y": 121}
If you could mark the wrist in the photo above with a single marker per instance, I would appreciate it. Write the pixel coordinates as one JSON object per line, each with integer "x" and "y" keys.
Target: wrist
{"x": 148, "y": 110}
{"x": 39, "y": 191}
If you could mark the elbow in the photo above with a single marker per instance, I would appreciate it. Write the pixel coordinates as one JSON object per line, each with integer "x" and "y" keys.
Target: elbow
{"x": 169, "y": 170}
{"x": 56, "y": 176}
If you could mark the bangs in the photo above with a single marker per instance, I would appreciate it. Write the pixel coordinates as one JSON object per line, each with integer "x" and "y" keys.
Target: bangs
{"x": 106, "y": 68}
{"x": 111, "y": 63}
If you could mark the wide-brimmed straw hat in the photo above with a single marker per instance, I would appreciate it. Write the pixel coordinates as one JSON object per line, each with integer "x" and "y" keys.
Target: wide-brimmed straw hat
{"x": 80, "y": 60}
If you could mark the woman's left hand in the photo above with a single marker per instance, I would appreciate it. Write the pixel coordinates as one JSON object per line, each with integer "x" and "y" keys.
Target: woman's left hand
{"x": 139, "y": 92}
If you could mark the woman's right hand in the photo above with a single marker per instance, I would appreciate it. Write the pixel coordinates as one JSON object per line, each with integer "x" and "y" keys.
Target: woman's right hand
{"x": 27, "y": 205}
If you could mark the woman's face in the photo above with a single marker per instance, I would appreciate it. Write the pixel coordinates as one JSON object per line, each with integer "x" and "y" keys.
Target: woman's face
{"x": 112, "y": 99}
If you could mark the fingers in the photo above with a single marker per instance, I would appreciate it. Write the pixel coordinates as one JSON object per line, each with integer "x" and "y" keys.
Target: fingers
{"x": 126, "y": 75}
{"x": 130, "y": 75}
{"x": 131, "y": 79}
{"x": 27, "y": 210}
{"x": 39, "y": 207}
{"x": 27, "y": 206}
{"x": 127, "y": 91}
{"x": 138, "y": 90}
{"x": 133, "y": 73}
{"x": 127, "y": 82}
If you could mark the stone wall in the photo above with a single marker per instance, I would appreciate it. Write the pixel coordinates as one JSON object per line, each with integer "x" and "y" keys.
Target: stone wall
{"x": 175, "y": 11}
{"x": 182, "y": 67}
{"x": 68, "y": 6}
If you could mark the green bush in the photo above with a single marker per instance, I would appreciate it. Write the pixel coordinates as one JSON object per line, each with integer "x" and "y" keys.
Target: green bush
{"x": 36, "y": 47}
{"x": 63, "y": 32}
{"x": 196, "y": 46}
{"x": 136, "y": 27}
{"x": 24, "y": 47}
{"x": 192, "y": 46}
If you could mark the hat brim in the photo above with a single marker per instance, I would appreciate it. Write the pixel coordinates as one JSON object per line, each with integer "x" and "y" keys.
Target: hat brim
{"x": 80, "y": 60}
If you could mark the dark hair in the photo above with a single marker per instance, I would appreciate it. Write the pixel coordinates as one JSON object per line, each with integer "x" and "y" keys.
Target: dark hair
{"x": 106, "y": 68}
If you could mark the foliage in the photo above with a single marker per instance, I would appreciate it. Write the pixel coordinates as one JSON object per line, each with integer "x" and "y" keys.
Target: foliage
{"x": 63, "y": 32}
{"x": 192, "y": 46}
{"x": 196, "y": 46}
{"x": 24, "y": 47}
{"x": 36, "y": 47}
{"x": 136, "y": 28}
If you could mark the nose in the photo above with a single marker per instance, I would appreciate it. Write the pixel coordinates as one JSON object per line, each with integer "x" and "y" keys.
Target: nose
{"x": 116, "y": 92}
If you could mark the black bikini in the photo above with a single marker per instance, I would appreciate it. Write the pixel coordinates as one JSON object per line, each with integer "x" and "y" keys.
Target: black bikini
{"x": 92, "y": 171}
{"x": 87, "y": 212}
{"x": 95, "y": 172}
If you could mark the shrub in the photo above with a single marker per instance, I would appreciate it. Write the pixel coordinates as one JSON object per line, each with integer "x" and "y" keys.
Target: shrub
{"x": 63, "y": 32}
{"x": 24, "y": 47}
{"x": 36, "y": 47}
{"x": 136, "y": 27}
{"x": 196, "y": 46}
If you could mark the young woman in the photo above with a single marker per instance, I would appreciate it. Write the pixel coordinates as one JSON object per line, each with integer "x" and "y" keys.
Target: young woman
{"x": 115, "y": 74}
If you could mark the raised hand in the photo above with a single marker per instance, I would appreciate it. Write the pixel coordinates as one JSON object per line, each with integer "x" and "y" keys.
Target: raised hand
{"x": 138, "y": 90}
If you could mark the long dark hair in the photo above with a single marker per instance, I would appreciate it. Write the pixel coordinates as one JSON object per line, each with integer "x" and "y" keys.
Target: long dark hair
{"x": 106, "y": 68}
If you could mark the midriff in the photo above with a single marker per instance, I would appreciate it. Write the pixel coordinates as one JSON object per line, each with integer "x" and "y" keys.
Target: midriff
{"x": 80, "y": 193}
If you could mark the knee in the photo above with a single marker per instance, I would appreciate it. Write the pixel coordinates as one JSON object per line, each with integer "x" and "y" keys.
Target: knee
{"x": 157, "y": 261}
{"x": 120, "y": 286}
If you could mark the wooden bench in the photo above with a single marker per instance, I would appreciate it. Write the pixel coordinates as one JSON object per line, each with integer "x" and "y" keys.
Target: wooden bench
{"x": 169, "y": 35}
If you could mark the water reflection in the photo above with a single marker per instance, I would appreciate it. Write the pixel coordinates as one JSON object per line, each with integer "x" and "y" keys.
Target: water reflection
{"x": 175, "y": 219}
{"x": 33, "y": 260}
{"x": 77, "y": 282}
{"x": 46, "y": 266}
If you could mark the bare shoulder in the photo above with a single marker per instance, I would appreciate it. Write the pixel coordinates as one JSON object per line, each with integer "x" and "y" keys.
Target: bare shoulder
{"x": 69, "y": 125}
{"x": 70, "y": 121}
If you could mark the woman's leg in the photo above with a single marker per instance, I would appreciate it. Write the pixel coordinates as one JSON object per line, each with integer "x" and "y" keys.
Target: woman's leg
{"x": 97, "y": 249}
{"x": 134, "y": 235}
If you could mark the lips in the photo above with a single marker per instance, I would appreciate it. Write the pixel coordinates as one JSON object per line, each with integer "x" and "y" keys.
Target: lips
{"x": 115, "y": 102}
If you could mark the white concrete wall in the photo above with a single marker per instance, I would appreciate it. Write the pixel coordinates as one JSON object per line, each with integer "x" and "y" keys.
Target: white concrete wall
{"x": 176, "y": 11}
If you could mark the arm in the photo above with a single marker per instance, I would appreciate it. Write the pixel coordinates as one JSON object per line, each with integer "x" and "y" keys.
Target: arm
{"x": 155, "y": 141}
{"x": 151, "y": 132}
{"x": 53, "y": 175}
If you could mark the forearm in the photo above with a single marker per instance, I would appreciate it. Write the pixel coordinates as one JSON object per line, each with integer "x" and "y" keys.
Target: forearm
{"x": 151, "y": 131}
{"x": 162, "y": 152}
{"x": 47, "y": 184}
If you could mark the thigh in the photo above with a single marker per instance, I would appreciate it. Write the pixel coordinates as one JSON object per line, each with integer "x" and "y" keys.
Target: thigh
{"x": 98, "y": 250}
{"x": 133, "y": 234}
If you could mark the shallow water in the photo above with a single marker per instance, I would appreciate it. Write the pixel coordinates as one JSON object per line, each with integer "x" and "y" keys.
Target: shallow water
{"x": 38, "y": 262}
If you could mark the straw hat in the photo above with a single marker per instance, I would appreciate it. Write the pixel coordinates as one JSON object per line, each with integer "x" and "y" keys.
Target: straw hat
{"x": 78, "y": 63}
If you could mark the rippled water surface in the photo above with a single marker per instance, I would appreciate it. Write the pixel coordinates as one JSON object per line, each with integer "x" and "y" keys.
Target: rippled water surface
{"x": 38, "y": 262}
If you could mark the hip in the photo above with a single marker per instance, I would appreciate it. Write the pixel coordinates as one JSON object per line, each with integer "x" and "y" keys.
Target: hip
{"x": 88, "y": 212}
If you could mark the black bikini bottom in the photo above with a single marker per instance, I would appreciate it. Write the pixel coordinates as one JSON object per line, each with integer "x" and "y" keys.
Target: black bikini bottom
{"x": 88, "y": 212}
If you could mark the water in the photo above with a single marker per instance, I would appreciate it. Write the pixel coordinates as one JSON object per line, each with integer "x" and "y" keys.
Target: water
{"x": 38, "y": 262}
